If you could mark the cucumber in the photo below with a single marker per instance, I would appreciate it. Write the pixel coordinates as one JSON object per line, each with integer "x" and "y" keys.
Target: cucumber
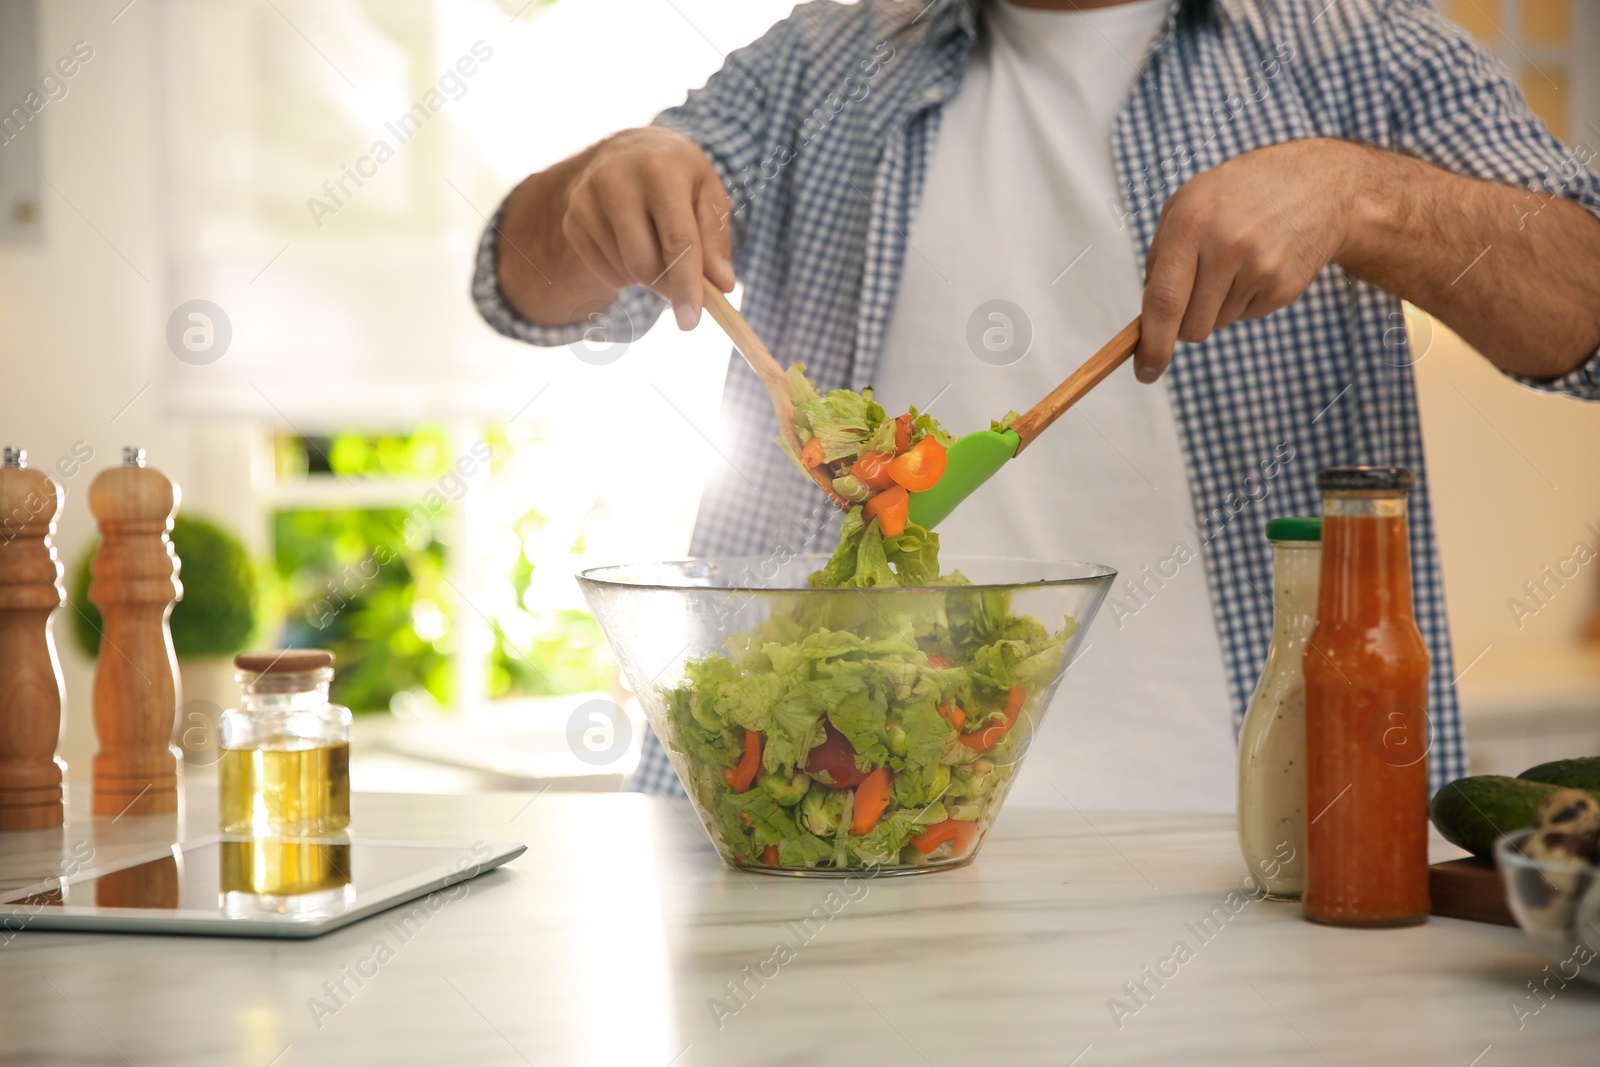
{"x": 1473, "y": 812}
{"x": 1583, "y": 773}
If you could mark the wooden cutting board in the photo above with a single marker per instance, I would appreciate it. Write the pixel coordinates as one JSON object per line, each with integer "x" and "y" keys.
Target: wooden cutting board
{"x": 1470, "y": 889}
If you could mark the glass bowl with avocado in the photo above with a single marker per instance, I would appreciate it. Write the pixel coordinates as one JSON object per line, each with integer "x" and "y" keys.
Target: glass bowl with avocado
{"x": 857, "y": 712}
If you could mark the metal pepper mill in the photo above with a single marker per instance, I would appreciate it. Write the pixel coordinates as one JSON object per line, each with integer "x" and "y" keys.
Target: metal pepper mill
{"x": 134, "y": 583}
{"x": 31, "y": 693}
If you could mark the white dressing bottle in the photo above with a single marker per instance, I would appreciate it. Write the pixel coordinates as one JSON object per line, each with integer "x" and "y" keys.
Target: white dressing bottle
{"x": 1272, "y": 741}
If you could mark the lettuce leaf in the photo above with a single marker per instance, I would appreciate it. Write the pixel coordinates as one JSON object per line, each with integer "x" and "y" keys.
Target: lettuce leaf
{"x": 866, "y": 559}
{"x": 795, "y": 729}
{"x": 748, "y": 700}
{"x": 858, "y": 712}
{"x": 842, "y": 420}
{"x": 800, "y": 386}
{"x": 882, "y": 844}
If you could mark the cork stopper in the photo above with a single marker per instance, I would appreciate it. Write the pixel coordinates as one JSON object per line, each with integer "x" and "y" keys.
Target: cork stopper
{"x": 287, "y": 670}
{"x": 284, "y": 661}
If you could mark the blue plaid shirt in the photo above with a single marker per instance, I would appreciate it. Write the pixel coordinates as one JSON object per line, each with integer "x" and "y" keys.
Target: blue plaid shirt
{"x": 823, "y": 129}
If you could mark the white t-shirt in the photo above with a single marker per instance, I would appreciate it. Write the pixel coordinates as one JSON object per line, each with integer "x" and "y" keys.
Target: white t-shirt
{"x": 1015, "y": 208}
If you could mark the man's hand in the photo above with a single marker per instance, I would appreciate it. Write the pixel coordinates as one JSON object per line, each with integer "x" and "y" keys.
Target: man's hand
{"x": 1240, "y": 241}
{"x": 1514, "y": 271}
{"x": 641, "y": 207}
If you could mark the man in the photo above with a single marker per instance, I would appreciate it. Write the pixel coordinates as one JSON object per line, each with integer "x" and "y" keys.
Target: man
{"x": 958, "y": 202}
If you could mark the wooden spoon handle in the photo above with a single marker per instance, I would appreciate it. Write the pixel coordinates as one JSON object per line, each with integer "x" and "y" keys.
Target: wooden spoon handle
{"x": 1094, "y": 371}
{"x": 772, "y": 376}
{"x": 745, "y": 340}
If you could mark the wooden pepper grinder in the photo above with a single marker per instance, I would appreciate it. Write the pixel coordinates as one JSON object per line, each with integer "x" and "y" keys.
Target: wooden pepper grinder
{"x": 30, "y": 674}
{"x": 134, "y": 584}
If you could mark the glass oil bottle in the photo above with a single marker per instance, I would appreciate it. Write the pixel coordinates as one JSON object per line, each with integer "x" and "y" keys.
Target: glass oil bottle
{"x": 285, "y": 767}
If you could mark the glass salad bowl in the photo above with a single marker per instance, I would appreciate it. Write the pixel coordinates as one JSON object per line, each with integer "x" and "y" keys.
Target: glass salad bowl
{"x": 831, "y": 731}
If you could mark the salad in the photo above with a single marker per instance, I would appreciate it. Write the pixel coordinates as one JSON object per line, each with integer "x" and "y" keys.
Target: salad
{"x": 848, "y": 733}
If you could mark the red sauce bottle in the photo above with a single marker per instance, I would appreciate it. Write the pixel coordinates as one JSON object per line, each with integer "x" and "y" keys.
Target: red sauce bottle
{"x": 1366, "y": 671}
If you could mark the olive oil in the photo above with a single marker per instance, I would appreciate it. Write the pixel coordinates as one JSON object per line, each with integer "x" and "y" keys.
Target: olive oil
{"x": 285, "y": 791}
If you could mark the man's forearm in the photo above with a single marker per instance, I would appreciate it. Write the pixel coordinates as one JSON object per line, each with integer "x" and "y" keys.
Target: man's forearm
{"x": 541, "y": 276}
{"x": 1515, "y": 273}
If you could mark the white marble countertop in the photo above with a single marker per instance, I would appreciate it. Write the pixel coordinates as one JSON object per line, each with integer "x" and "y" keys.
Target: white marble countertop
{"x": 616, "y": 938}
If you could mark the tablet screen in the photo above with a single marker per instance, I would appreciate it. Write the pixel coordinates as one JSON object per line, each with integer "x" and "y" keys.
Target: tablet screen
{"x": 269, "y": 883}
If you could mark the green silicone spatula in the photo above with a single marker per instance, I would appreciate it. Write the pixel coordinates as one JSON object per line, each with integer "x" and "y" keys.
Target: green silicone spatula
{"x": 975, "y": 458}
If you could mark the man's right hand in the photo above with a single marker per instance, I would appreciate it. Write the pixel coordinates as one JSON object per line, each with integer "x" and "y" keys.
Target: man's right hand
{"x": 640, "y": 207}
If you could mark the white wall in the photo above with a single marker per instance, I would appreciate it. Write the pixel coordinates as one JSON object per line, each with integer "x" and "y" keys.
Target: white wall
{"x": 1516, "y": 480}
{"x": 77, "y": 321}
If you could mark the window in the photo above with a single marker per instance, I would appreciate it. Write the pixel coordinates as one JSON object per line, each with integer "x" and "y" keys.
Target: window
{"x": 423, "y": 488}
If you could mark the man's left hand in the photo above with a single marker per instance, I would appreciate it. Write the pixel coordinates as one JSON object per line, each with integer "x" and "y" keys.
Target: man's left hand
{"x": 1242, "y": 240}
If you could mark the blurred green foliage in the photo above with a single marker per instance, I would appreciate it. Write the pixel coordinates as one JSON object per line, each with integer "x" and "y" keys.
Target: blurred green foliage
{"x": 420, "y": 455}
{"x": 350, "y": 583}
{"x": 567, "y": 652}
{"x": 221, "y": 594}
{"x": 568, "y": 655}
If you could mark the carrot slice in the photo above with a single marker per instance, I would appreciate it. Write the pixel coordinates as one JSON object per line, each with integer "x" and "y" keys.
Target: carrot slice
{"x": 985, "y": 739}
{"x": 892, "y": 509}
{"x": 740, "y": 778}
{"x": 812, "y": 455}
{"x": 872, "y": 470}
{"x": 769, "y": 856}
{"x": 921, "y": 468}
{"x": 1014, "y": 700}
{"x": 952, "y": 713}
{"x": 872, "y": 798}
{"x": 902, "y": 432}
{"x": 961, "y": 831}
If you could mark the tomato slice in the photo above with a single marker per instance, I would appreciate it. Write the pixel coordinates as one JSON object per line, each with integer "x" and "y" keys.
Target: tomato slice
{"x": 921, "y": 468}
{"x": 872, "y": 469}
{"x": 836, "y": 758}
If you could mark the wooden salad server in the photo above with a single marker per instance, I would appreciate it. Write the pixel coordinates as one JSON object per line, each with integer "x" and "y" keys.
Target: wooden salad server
{"x": 772, "y": 376}
{"x": 975, "y": 458}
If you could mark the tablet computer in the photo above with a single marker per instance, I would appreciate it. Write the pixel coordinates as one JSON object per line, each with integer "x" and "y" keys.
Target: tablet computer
{"x": 254, "y": 887}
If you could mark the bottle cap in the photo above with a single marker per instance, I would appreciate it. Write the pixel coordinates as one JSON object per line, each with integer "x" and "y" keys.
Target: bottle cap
{"x": 288, "y": 670}
{"x": 1372, "y": 479}
{"x": 1295, "y": 528}
{"x": 284, "y": 661}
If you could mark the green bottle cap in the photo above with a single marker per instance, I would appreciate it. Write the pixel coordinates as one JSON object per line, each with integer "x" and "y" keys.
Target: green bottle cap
{"x": 1298, "y": 528}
